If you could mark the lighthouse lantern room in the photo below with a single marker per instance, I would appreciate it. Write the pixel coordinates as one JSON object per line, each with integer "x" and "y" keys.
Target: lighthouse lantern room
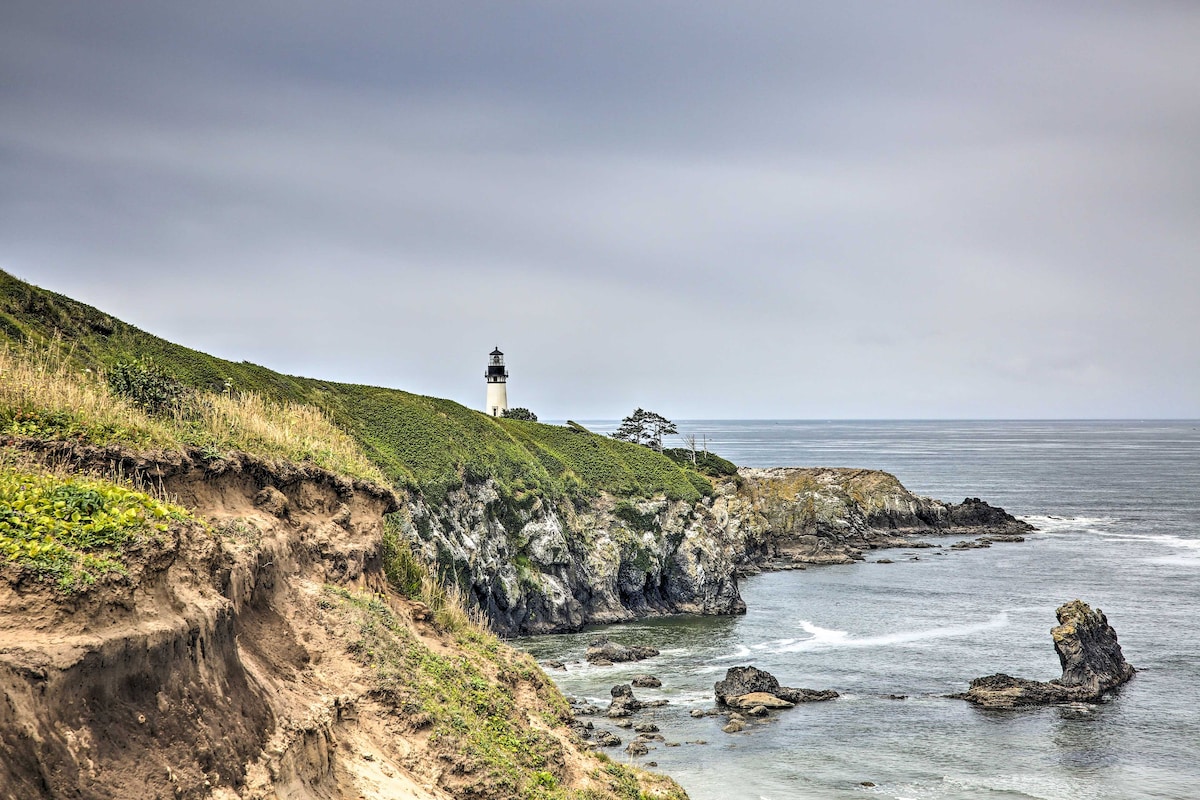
{"x": 497, "y": 391}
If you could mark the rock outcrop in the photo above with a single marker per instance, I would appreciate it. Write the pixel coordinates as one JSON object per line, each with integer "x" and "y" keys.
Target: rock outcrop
{"x": 546, "y": 567}
{"x": 1091, "y": 659}
{"x": 749, "y": 687}
{"x": 793, "y": 516}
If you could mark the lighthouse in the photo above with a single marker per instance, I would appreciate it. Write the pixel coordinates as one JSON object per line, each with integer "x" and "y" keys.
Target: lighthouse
{"x": 497, "y": 390}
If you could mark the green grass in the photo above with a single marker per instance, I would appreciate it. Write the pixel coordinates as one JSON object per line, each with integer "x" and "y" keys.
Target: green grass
{"x": 456, "y": 699}
{"x": 467, "y": 704}
{"x": 423, "y": 443}
{"x": 44, "y": 395}
{"x": 73, "y": 531}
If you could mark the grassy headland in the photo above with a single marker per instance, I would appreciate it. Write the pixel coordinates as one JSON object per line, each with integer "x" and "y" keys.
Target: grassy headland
{"x": 422, "y": 443}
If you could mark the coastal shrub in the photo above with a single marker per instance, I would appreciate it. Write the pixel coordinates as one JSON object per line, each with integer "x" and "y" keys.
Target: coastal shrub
{"x": 146, "y": 386}
{"x": 642, "y": 521}
{"x": 709, "y": 464}
{"x": 71, "y": 531}
{"x": 702, "y": 484}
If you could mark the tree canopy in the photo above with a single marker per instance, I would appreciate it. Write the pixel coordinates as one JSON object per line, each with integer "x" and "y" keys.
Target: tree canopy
{"x": 645, "y": 428}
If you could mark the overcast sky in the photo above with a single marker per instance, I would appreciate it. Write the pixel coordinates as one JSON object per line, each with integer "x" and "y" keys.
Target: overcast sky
{"x": 713, "y": 210}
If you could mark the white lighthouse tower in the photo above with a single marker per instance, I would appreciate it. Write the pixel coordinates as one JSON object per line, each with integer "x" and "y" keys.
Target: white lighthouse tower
{"x": 497, "y": 389}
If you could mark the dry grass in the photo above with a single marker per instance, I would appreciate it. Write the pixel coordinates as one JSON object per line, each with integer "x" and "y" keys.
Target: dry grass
{"x": 43, "y": 396}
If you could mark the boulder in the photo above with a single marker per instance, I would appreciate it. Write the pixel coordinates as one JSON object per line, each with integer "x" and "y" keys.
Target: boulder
{"x": 758, "y": 699}
{"x": 646, "y": 682}
{"x": 607, "y": 739}
{"x": 623, "y": 702}
{"x": 742, "y": 681}
{"x": 604, "y": 649}
{"x": 1091, "y": 660}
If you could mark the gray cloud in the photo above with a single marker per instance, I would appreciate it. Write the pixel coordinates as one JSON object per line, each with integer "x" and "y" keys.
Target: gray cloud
{"x": 779, "y": 209}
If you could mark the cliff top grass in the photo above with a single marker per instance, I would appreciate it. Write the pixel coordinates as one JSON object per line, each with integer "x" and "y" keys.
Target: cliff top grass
{"x": 423, "y": 443}
{"x": 44, "y": 394}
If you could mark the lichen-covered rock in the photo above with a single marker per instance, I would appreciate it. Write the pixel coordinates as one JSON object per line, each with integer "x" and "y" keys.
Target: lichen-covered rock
{"x": 745, "y": 687}
{"x": 1091, "y": 659}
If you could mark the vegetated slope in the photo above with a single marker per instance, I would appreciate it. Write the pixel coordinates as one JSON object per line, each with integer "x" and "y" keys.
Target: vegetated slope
{"x": 426, "y": 443}
{"x": 266, "y": 642}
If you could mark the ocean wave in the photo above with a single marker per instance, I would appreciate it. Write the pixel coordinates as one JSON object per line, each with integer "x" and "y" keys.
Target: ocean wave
{"x": 1049, "y": 523}
{"x": 821, "y": 638}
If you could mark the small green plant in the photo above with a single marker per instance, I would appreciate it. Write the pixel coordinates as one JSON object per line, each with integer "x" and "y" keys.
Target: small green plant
{"x": 519, "y": 413}
{"x": 74, "y": 530}
{"x": 642, "y": 521}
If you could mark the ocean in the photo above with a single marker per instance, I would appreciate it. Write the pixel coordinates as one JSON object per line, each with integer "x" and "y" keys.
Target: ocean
{"x": 1117, "y": 509}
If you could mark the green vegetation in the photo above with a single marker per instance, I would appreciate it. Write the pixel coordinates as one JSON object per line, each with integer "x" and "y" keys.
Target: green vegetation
{"x": 707, "y": 463}
{"x": 424, "y": 443}
{"x": 645, "y": 427}
{"x": 45, "y": 395}
{"x": 72, "y": 531}
{"x": 519, "y": 413}
{"x": 467, "y": 704}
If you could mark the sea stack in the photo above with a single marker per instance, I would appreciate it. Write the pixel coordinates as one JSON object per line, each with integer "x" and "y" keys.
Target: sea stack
{"x": 1091, "y": 659}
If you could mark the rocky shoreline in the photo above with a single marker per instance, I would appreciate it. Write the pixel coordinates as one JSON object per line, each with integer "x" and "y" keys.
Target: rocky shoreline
{"x": 557, "y": 568}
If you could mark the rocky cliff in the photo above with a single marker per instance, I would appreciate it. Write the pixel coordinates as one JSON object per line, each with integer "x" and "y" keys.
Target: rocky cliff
{"x": 553, "y": 568}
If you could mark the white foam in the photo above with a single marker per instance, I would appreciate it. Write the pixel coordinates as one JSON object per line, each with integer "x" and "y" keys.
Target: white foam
{"x": 828, "y": 638}
{"x": 1049, "y": 523}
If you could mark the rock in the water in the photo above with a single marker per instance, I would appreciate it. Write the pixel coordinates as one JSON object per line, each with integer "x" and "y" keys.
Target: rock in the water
{"x": 1088, "y": 651}
{"x": 604, "y": 649}
{"x": 1091, "y": 660}
{"x": 646, "y": 682}
{"x": 646, "y": 727}
{"x": 734, "y": 726}
{"x": 554, "y": 665}
{"x": 756, "y": 700}
{"x": 973, "y": 512}
{"x": 607, "y": 739}
{"x": 759, "y": 711}
{"x": 637, "y": 748}
{"x": 742, "y": 681}
{"x": 623, "y": 702}
{"x": 804, "y": 695}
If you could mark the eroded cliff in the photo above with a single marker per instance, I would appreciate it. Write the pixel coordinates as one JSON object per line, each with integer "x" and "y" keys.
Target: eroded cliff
{"x": 261, "y": 653}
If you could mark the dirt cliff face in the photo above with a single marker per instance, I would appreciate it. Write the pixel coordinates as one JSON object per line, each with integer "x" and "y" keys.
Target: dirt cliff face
{"x": 263, "y": 655}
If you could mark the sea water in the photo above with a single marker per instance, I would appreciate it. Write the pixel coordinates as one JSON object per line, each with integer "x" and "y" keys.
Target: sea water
{"x": 1117, "y": 508}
